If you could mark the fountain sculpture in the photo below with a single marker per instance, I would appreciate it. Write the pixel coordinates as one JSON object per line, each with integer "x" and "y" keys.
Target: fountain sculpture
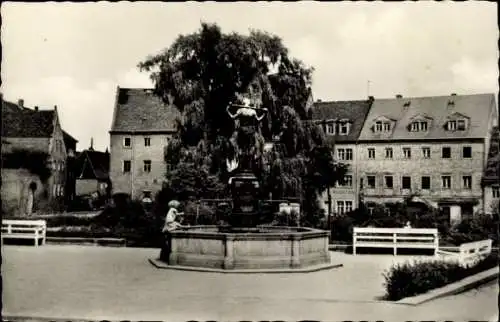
{"x": 245, "y": 244}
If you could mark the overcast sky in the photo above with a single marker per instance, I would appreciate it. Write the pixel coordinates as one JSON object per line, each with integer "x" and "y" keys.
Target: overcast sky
{"x": 75, "y": 55}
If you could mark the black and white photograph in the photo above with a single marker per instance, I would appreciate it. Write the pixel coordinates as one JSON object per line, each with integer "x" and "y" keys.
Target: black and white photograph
{"x": 250, "y": 161}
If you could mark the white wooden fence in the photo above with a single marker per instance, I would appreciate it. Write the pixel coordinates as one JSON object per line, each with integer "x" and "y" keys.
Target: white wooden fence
{"x": 25, "y": 229}
{"x": 408, "y": 238}
{"x": 469, "y": 253}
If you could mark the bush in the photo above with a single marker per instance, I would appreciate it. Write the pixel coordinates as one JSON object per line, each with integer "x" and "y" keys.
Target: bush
{"x": 410, "y": 279}
{"x": 479, "y": 227}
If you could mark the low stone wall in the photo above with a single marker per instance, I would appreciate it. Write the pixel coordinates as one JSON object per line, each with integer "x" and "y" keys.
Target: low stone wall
{"x": 263, "y": 247}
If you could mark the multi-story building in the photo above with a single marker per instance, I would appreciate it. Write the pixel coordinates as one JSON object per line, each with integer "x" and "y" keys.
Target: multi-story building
{"x": 434, "y": 147}
{"x": 491, "y": 178}
{"x": 141, "y": 129}
{"x": 342, "y": 122}
{"x": 33, "y": 131}
{"x": 92, "y": 173}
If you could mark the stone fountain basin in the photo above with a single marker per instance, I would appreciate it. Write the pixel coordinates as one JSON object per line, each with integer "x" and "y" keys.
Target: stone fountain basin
{"x": 266, "y": 247}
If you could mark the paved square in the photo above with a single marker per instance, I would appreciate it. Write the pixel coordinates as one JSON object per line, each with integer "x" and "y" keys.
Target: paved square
{"x": 119, "y": 283}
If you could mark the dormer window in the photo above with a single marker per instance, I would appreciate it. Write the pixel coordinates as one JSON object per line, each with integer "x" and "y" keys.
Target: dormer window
{"x": 344, "y": 128}
{"x": 330, "y": 128}
{"x": 461, "y": 125}
{"x": 418, "y": 126}
{"x": 451, "y": 126}
{"x": 387, "y": 127}
{"x": 456, "y": 125}
{"x": 378, "y": 126}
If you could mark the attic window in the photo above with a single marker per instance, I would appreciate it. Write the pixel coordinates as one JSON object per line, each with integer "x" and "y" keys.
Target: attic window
{"x": 330, "y": 128}
{"x": 419, "y": 126}
{"x": 461, "y": 125}
{"x": 344, "y": 128}
{"x": 451, "y": 125}
{"x": 382, "y": 126}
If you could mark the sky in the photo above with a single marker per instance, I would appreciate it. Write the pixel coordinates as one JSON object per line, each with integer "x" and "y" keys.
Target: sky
{"x": 74, "y": 55}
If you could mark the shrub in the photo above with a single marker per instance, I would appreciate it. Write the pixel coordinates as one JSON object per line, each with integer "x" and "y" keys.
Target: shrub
{"x": 410, "y": 279}
{"x": 479, "y": 227}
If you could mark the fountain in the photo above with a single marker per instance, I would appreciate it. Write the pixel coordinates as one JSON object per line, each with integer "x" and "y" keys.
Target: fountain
{"x": 245, "y": 244}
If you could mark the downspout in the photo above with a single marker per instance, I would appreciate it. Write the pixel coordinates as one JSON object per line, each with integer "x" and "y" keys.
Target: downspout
{"x": 132, "y": 166}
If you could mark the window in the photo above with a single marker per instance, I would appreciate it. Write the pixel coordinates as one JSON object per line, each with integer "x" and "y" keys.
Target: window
{"x": 344, "y": 128}
{"x": 406, "y": 182}
{"x": 330, "y": 128}
{"x": 423, "y": 126}
{"x": 461, "y": 125}
{"x": 344, "y": 154}
{"x": 467, "y": 152}
{"x": 347, "y": 181}
{"x": 146, "y": 194}
{"x": 426, "y": 183}
{"x": 387, "y": 127}
{"x": 147, "y": 141}
{"x": 451, "y": 125}
{"x": 446, "y": 182}
{"x": 388, "y": 153}
{"x": 371, "y": 153}
{"x": 370, "y": 181}
{"x": 378, "y": 126}
{"x": 407, "y": 153}
{"x": 426, "y": 152}
{"x": 467, "y": 182}
{"x": 418, "y": 126}
{"x": 496, "y": 192}
{"x": 388, "y": 182}
{"x": 414, "y": 127}
{"x": 127, "y": 166}
{"x": 446, "y": 152}
{"x": 127, "y": 142}
{"x": 348, "y": 206}
{"x": 147, "y": 165}
{"x": 340, "y": 207}
{"x": 341, "y": 154}
{"x": 348, "y": 154}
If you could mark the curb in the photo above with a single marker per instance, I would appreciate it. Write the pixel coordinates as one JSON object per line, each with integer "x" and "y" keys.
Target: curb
{"x": 161, "y": 265}
{"x": 461, "y": 286}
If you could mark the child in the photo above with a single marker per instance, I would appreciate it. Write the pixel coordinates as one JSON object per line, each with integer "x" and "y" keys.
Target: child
{"x": 170, "y": 225}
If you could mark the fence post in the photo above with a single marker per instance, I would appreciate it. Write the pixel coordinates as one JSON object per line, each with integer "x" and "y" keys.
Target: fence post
{"x": 395, "y": 241}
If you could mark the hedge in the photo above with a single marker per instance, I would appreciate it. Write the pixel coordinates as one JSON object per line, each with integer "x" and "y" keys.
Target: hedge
{"x": 410, "y": 279}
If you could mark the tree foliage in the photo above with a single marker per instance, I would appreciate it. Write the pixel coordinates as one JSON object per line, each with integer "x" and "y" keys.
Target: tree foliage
{"x": 202, "y": 72}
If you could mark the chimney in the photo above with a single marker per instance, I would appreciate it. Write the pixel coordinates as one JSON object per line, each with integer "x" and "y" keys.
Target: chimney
{"x": 20, "y": 103}
{"x": 318, "y": 101}
{"x": 91, "y": 144}
{"x": 55, "y": 107}
{"x": 453, "y": 94}
{"x": 399, "y": 96}
{"x": 371, "y": 98}
{"x": 36, "y": 108}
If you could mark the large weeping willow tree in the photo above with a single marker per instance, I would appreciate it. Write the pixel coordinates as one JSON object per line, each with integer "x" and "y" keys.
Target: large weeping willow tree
{"x": 201, "y": 73}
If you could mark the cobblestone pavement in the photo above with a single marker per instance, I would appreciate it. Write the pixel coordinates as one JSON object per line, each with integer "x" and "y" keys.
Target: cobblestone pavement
{"x": 119, "y": 283}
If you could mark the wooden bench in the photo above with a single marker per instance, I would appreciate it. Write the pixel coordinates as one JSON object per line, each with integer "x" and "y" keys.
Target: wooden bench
{"x": 468, "y": 253}
{"x": 408, "y": 238}
{"x": 25, "y": 229}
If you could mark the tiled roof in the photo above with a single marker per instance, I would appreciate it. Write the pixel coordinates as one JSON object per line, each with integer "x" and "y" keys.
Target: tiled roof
{"x": 355, "y": 111}
{"x": 92, "y": 165}
{"x": 140, "y": 110}
{"x": 477, "y": 108}
{"x": 26, "y": 123}
{"x": 492, "y": 169}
